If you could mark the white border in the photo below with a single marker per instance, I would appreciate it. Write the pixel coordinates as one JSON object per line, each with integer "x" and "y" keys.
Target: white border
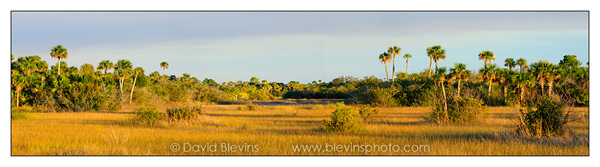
{"x": 7, "y": 6}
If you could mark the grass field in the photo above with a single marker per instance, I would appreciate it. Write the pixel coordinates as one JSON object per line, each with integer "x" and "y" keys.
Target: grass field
{"x": 276, "y": 129}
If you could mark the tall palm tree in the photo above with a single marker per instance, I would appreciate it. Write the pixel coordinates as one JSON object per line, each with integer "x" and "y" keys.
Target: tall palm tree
{"x": 522, "y": 81}
{"x": 430, "y": 53}
{"x": 510, "y": 63}
{"x": 458, "y": 73}
{"x": 486, "y": 56}
{"x": 522, "y": 64}
{"x": 439, "y": 54}
{"x": 542, "y": 71}
{"x": 137, "y": 71}
{"x": 407, "y": 56}
{"x": 59, "y": 52}
{"x": 385, "y": 58}
{"x": 503, "y": 77}
{"x": 488, "y": 73}
{"x": 105, "y": 65}
{"x": 164, "y": 65}
{"x": 123, "y": 68}
{"x": 18, "y": 82}
{"x": 394, "y": 50}
{"x": 440, "y": 78}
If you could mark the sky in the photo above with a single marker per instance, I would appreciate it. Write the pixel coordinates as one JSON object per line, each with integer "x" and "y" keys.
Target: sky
{"x": 296, "y": 46}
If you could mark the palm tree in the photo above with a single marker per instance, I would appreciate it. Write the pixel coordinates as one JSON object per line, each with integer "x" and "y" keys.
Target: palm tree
{"x": 486, "y": 56}
{"x": 59, "y": 52}
{"x": 164, "y": 65}
{"x": 394, "y": 50}
{"x": 522, "y": 64}
{"x": 542, "y": 71}
{"x": 407, "y": 56}
{"x": 105, "y": 65}
{"x": 440, "y": 78}
{"x": 510, "y": 63}
{"x": 488, "y": 74}
{"x": 385, "y": 58}
{"x": 137, "y": 71}
{"x": 555, "y": 74}
{"x": 439, "y": 53}
{"x": 430, "y": 53}
{"x": 503, "y": 77}
{"x": 522, "y": 81}
{"x": 122, "y": 68}
{"x": 18, "y": 82}
{"x": 458, "y": 73}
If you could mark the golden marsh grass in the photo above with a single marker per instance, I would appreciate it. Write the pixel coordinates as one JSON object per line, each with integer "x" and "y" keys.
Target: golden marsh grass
{"x": 274, "y": 129}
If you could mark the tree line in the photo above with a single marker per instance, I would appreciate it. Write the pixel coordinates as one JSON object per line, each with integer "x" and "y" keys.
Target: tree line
{"x": 109, "y": 85}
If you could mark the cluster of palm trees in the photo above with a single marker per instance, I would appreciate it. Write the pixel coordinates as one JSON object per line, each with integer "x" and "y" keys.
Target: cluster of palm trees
{"x": 390, "y": 55}
{"x": 544, "y": 73}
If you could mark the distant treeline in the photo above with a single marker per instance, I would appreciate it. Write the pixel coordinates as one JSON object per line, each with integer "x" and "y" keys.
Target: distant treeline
{"x": 109, "y": 85}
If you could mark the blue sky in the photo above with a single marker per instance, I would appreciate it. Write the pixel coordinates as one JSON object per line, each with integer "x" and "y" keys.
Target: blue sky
{"x": 301, "y": 46}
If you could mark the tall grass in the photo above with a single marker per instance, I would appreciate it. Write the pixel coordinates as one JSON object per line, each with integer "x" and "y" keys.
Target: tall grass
{"x": 274, "y": 131}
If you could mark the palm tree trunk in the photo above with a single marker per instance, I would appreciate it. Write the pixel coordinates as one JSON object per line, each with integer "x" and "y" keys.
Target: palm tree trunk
{"x": 406, "y": 66}
{"x": 163, "y": 72}
{"x": 393, "y": 67}
{"x": 121, "y": 84}
{"x": 386, "y": 72}
{"x": 542, "y": 84}
{"x": 58, "y": 66}
{"x": 550, "y": 88}
{"x": 445, "y": 102}
{"x": 459, "y": 87}
{"x": 490, "y": 89}
{"x": 132, "y": 87}
{"x": 105, "y": 71}
{"x": 18, "y": 92}
{"x": 430, "y": 61}
{"x": 522, "y": 94}
{"x": 436, "y": 64}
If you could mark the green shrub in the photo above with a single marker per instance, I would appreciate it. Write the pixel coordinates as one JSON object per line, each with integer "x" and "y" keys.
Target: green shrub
{"x": 461, "y": 110}
{"x": 21, "y": 115}
{"x": 250, "y": 106}
{"x": 549, "y": 119}
{"x": 148, "y": 116}
{"x": 343, "y": 119}
{"x": 368, "y": 113}
{"x": 382, "y": 97}
{"x": 184, "y": 113}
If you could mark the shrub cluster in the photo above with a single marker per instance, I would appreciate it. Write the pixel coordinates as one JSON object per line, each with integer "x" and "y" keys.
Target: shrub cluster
{"x": 184, "y": 113}
{"x": 343, "y": 119}
{"x": 148, "y": 116}
{"x": 460, "y": 110}
{"x": 368, "y": 113}
{"x": 549, "y": 119}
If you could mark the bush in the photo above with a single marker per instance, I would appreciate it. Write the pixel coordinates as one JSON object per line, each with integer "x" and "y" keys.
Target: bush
{"x": 148, "y": 116}
{"x": 367, "y": 113}
{"x": 343, "y": 119}
{"x": 184, "y": 113}
{"x": 461, "y": 110}
{"x": 549, "y": 119}
{"x": 250, "y": 106}
{"x": 382, "y": 97}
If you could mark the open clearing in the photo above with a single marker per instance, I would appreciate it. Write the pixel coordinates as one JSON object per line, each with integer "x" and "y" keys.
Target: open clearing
{"x": 275, "y": 129}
